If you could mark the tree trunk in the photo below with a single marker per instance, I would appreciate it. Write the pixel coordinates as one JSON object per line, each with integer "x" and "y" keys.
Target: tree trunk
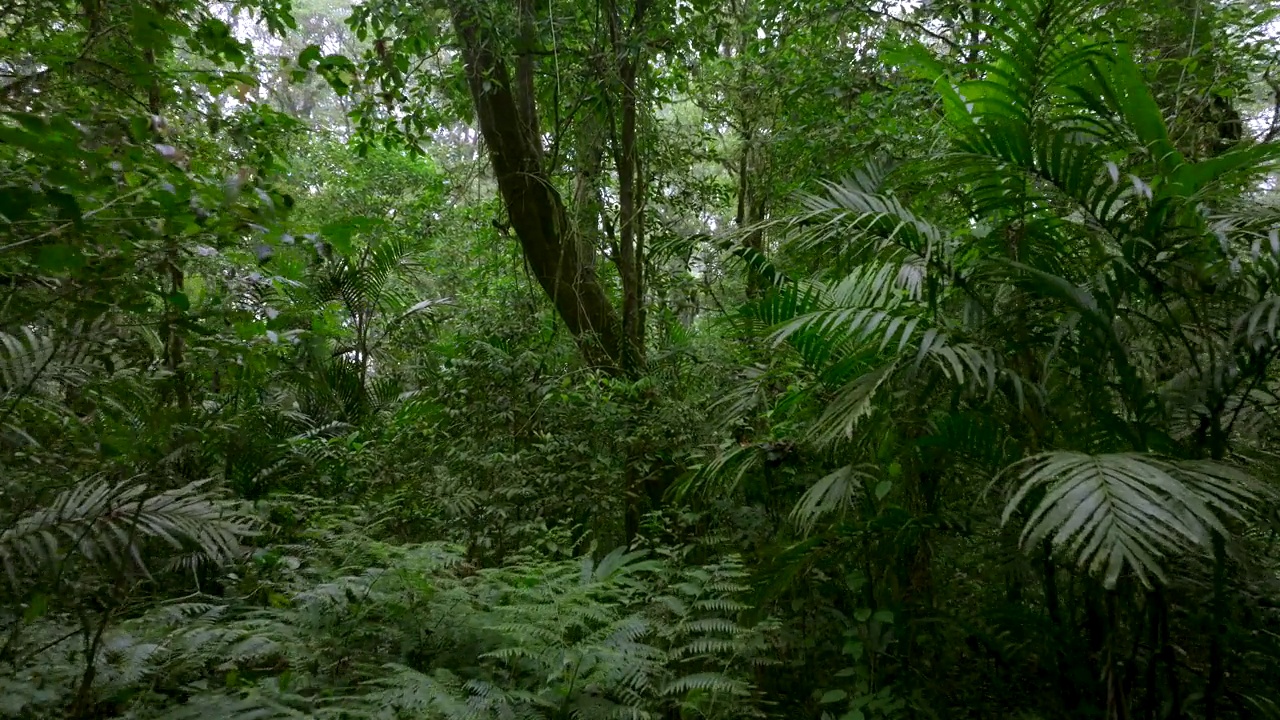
{"x": 630, "y": 232}
{"x": 536, "y": 210}
{"x": 751, "y": 188}
{"x": 751, "y": 209}
{"x": 630, "y": 250}
{"x": 587, "y": 205}
{"x": 526, "y": 92}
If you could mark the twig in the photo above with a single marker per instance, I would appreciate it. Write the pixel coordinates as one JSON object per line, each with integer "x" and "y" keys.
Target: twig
{"x": 68, "y": 224}
{"x": 918, "y": 27}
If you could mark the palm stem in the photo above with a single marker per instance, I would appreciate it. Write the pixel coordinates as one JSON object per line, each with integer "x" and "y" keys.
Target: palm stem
{"x": 1213, "y": 693}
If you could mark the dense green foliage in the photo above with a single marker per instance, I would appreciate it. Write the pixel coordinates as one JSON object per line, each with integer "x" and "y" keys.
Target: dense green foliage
{"x": 639, "y": 358}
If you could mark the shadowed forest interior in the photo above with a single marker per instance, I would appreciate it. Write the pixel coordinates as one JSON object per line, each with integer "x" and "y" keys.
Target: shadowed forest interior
{"x": 639, "y": 359}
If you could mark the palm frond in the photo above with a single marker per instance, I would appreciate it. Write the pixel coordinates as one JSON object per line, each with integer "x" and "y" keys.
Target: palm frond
{"x": 363, "y": 281}
{"x": 104, "y": 522}
{"x": 851, "y": 403}
{"x": 863, "y": 225}
{"x": 29, "y": 356}
{"x": 838, "y": 491}
{"x": 1127, "y": 511}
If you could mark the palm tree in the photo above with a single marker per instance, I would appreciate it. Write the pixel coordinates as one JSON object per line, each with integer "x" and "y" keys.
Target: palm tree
{"x": 1106, "y": 305}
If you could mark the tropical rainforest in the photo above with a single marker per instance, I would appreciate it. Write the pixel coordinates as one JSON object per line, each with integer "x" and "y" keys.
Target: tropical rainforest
{"x": 643, "y": 359}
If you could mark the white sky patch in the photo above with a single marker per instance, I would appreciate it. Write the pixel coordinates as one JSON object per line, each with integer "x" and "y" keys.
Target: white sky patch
{"x": 1260, "y": 122}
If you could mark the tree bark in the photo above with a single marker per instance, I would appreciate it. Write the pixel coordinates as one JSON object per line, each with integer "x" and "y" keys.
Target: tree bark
{"x": 631, "y": 234}
{"x": 751, "y": 196}
{"x": 751, "y": 209}
{"x": 587, "y": 204}
{"x": 526, "y": 92}
{"x": 536, "y": 210}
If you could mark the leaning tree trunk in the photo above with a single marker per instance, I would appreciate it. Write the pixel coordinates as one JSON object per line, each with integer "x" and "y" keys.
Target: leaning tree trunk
{"x": 537, "y": 212}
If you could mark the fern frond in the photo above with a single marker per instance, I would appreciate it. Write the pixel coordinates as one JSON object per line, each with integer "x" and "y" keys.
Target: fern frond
{"x": 229, "y": 705}
{"x": 711, "y": 682}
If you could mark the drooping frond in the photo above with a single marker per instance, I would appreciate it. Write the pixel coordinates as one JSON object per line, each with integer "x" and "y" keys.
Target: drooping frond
{"x": 837, "y": 491}
{"x": 867, "y": 222}
{"x": 723, "y": 473}
{"x": 850, "y": 403}
{"x": 1257, "y": 327}
{"x": 29, "y": 356}
{"x": 104, "y": 522}
{"x": 1128, "y": 511}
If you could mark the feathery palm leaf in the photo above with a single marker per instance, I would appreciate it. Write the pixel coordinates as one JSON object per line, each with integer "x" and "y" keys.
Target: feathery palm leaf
{"x": 30, "y": 356}
{"x": 1124, "y": 511}
{"x": 837, "y": 491}
{"x": 105, "y": 522}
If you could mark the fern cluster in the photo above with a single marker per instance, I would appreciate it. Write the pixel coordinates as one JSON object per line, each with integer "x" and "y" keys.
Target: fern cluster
{"x": 333, "y": 624}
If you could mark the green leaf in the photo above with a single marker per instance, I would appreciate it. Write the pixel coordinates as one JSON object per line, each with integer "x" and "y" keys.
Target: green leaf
{"x": 59, "y": 258}
{"x": 139, "y": 128}
{"x": 883, "y": 489}
{"x": 341, "y": 233}
{"x": 29, "y": 122}
{"x": 67, "y": 205}
{"x": 832, "y": 696}
{"x": 36, "y": 609}
{"x": 16, "y": 202}
{"x": 1190, "y": 179}
{"x": 1141, "y": 111}
{"x": 916, "y": 58}
{"x": 310, "y": 54}
{"x": 854, "y": 649}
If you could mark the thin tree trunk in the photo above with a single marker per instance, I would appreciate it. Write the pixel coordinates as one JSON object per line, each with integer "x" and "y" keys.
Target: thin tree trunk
{"x": 174, "y": 344}
{"x": 630, "y": 255}
{"x": 587, "y": 207}
{"x": 751, "y": 209}
{"x": 92, "y": 643}
{"x": 1154, "y": 656}
{"x": 1054, "y": 607}
{"x": 629, "y": 216}
{"x": 751, "y": 200}
{"x": 1170, "y": 659}
{"x": 1218, "y": 610}
{"x": 628, "y": 260}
